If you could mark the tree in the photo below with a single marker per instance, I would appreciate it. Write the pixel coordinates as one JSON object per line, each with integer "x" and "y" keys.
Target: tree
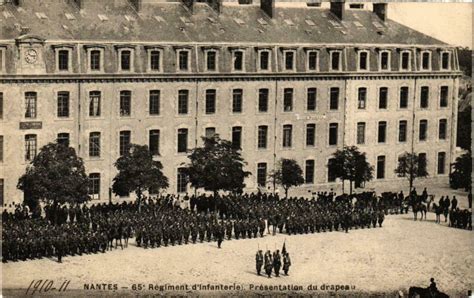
{"x": 138, "y": 172}
{"x": 287, "y": 174}
{"x": 55, "y": 176}
{"x": 216, "y": 166}
{"x": 352, "y": 165}
{"x": 410, "y": 165}
{"x": 461, "y": 175}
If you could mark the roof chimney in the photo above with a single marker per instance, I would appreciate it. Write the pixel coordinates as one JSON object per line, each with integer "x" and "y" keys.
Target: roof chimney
{"x": 215, "y": 4}
{"x": 380, "y": 9}
{"x": 137, "y": 4}
{"x": 338, "y": 8}
{"x": 268, "y": 6}
{"x": 79, "y": 3}
{"x": 188, "y": 4}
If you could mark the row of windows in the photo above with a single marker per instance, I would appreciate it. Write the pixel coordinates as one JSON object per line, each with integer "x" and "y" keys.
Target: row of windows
{"x": 264, "y": 59}
{"x": 402, "y": 131}
{"x": 154, "y": 101}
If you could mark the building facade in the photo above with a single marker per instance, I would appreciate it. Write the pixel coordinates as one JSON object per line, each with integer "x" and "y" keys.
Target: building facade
{"x": 279, "y": 82}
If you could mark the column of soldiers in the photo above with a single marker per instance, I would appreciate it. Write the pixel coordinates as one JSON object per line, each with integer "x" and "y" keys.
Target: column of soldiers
{"x": 74, "y": 230}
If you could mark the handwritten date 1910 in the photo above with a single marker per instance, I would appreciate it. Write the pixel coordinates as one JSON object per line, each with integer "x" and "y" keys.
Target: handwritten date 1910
{"x": 44, "y": 286}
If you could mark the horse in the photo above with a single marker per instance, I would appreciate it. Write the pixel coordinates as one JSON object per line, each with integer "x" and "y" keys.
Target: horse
{"x": 414, "y": 292}
{"x": 438, "y": 211}
{"x": 418, "y": 205}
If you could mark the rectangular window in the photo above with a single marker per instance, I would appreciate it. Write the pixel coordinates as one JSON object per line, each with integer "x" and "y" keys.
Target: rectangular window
{"x": 381, "y": 167}
{"x": 237, "y": 137}
{"x": 332, "y": 170}
{"x": 125, "y": 103}
{"x": 211, "y": 60}
{"x": 363, "y": 61}
{"x": 182, "y": 140}
{"x": 289, "y": 60}
{"x": 30, "y": 147}
{"x": 63, "y": 104}
{"x": 264, "y": 60}
{"x": 124, "y": 141}
{"x": 125, "y": 60}
{"x": 262, "y": 174}
{"x": 94, "y": 186}
{"x": 403, "y": 97}
{"x": 237, "y": 100}
{"x": 262, "y": 136}
{"x": 30, "y": 104}
{"x": 63, "y": 60}
{"x": 422, "y": 163}
{"x": 183, "y": 62}
{"x": 423, "y": 130}
{"x": 263, "y": 100}
{"x": 405, "y": 63}
{"x": 1, "y": 105}
{"x": 424, "y": 97}
{"x": 94, "y": 103}
{"x": 238, "y": 60}
{"x": 63, "y": 139}
{"x": 383, "y": 98}
{"x": 210, "y": 101}
{"x": 1, "y": 148}
{"x": 443, "y": 125}
{"x": 445, "y": 61}
{"x": 361, "y": 133}
{"x": 94, "y": 144}
{"x": 384, "y": 61}
{"x": 402, "y": 131}
{"x": 154, "y": 141}
{"x": 155, "y": 60}
{"x": 210, "y": 132}
{"x": 443, "y": 97}
{"x": 313, "y": 60}
{"x": 311, "y": 99}
{"x": 441, "y": 163}
{"x": 183, "y": 98}
{"x": 333, "y": 127}
{"x": 362, "y": 98}
{"x": 309, "y": 172}
{"x": 154, "y": 102}
{"x": 334, "y": 99}
{"x": 310, "y": 134}
{"x": 2, "y": 191}
{"x": 288, "y": 100}
{"x": 335, "y": 60}
{"x": 426, "y": 60}
{"x": 95, "y": 60}
{"x": 182, "y": 181}
{"x": 382, "y": 132}
{"x": 287, "y": 135}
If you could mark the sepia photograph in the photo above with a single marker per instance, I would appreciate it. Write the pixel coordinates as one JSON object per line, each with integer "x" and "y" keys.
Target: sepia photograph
{"x": 264, "y": 148}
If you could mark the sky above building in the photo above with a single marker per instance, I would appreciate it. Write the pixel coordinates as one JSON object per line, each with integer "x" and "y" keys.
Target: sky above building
{"x": 448, "y": 22}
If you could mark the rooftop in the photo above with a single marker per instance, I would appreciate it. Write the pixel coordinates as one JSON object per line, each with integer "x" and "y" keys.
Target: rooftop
{"x": 115, "y": 20}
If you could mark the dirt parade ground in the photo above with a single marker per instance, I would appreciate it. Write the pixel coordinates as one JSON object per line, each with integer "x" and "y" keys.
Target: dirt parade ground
{"x": 403, "y": 253}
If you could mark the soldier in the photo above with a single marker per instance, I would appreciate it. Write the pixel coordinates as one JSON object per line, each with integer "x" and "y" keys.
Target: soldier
{"x": 381, "y": 217}
{"x": 228, "y": 229}
{"x": 194, "y": 233}
{"x": 259, "y": 261}
{"x": 219, "y": 234}
{"x": 268, "y": 263}
{"x": 286, "y": 262}
{"x": 277, "y": 262}
{"x": 261, "y": 227}
{"x": 58, "y": 247}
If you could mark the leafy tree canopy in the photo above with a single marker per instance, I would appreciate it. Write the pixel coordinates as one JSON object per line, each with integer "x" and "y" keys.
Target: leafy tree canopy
{"x": 351, "y": 164}
{"x": 461, "y": 175}
{"x": 288, "y": 174}
{"x": 410, "y": 165}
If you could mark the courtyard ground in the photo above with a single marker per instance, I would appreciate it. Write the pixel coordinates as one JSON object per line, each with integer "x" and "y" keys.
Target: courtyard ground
{"x": 403, "y": 253}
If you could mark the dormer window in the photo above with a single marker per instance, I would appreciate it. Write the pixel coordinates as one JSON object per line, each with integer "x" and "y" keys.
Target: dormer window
{"x": 335, "y": 57}
{"x": 363, "y": 60}
{"x": 125, "y": 60}
{"x": 183, "y": 60}
{"x": 155, "y": 59}
{"x": 384, "y": 60}
{"x": 2, "y": 59}
{"x": 63, "y": 60}
{"x": 313, "y": 59}
{"x": 425, "y": 60}
{"x": 264, "y": 60}
{"x": 95, "y": 60}
{"x": 211, "y": 60}
{"x": 289, "y": 62}
{"x": 238, "y": 60}
{"x": 445, "y": 61}
{"x": 405, "y": 58}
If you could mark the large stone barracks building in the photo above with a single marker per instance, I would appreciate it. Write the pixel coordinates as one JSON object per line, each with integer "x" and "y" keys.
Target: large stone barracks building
{"x": 295, "y": 81}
